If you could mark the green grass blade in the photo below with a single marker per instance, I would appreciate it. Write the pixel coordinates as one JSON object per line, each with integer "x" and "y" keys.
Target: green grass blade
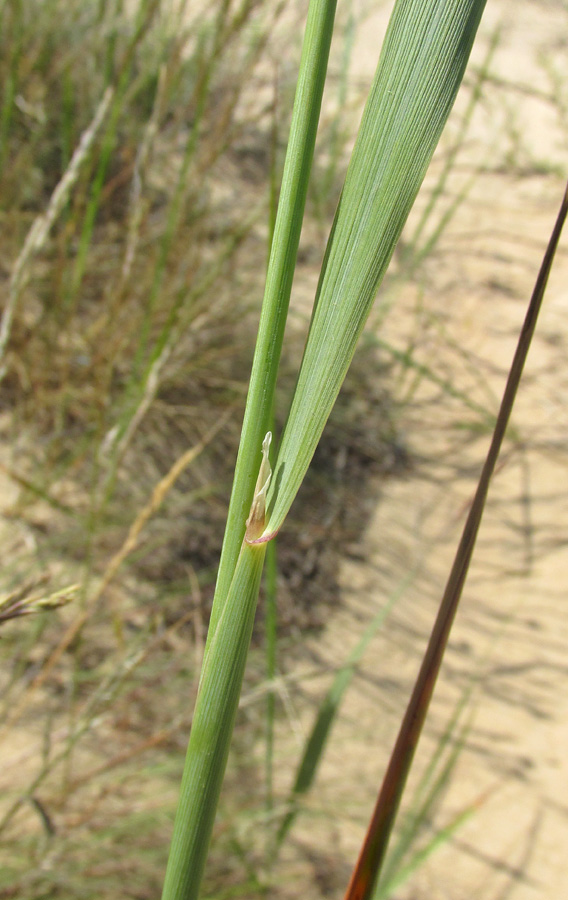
{"x": 211, "y": 729}
{"x": 327, "y": 713}
{"x": 432, "y": 783}
{"x": 420, "y": 69}
{"x": 271, "y": 572}
{"x": 271, "y": 641}
{"x": 240, "y": 568}
{"x": 417, "y": 252}
{"x": 10, "y": 86}
{"x": 297, "y": 166}
{"x": 439, "y": 839}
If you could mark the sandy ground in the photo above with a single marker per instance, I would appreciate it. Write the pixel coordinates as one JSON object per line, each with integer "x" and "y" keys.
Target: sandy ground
{"x": 511, "y": 634}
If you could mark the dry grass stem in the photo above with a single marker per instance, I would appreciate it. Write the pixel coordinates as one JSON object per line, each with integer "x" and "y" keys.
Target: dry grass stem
{"x": 159, "y": 494}
{"x": 41, "y": 227}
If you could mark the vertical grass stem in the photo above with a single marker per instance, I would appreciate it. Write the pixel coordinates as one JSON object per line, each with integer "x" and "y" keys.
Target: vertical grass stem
{"x": 241, "y": 564}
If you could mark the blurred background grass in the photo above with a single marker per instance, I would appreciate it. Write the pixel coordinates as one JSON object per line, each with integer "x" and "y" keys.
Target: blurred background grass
{"x": 130, "y": 345}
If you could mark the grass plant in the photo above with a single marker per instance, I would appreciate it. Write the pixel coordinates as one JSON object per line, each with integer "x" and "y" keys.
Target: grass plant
{"x": 136, "y": 143}
{"x": 420, "y": 70}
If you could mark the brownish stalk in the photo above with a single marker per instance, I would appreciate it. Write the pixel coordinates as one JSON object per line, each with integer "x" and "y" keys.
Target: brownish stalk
{"x": 367, "y": 869}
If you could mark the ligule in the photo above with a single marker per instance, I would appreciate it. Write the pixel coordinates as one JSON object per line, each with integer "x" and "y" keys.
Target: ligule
{"x": 257, "y": 515}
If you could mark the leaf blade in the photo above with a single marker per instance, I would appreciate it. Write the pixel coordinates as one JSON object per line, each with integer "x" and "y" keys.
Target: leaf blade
{"x": 420, "y": 69}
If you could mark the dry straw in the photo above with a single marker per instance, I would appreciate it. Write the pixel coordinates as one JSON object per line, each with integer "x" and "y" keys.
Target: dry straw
{"x": 41, "y": 228}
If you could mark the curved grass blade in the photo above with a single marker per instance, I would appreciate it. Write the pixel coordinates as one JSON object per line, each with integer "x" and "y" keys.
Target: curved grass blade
{"x": 374, "y": 847}
{"x": 402, "y": 859}
{"x": 421, "y": 66}
{"x": 327, "y": 713}
{"x": 439, "y": 839}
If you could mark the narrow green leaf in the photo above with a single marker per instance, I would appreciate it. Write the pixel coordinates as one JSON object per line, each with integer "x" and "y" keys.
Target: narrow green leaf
{"x": 327, "y": 714}
{"x": 428, "y": 792}
{"x": 240, "y": 568}
{"x": 440, "y": 838}
{"x": 284, "y": 249}
{"x": 211, "y": 729}
{"x": 420, "y": 69}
